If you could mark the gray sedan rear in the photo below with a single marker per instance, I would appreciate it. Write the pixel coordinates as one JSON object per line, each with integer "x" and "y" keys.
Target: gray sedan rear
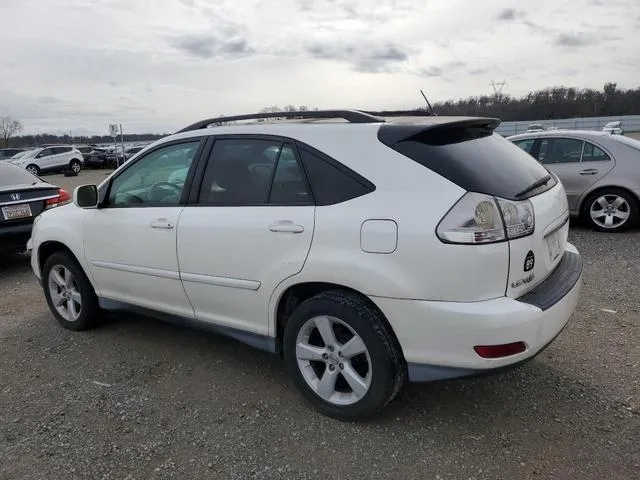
{"x": 600, "y": 172}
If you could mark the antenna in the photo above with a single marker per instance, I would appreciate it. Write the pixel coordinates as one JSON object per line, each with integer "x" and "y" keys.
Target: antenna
{"x": 428, "y": 104}
{"x": 497, "y": 87}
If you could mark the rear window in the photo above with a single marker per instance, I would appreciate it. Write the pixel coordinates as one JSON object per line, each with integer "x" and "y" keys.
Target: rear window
{"x": 13, "y": 175}
{"x": 476, "y": 159}
{"x": 630, "y": 142}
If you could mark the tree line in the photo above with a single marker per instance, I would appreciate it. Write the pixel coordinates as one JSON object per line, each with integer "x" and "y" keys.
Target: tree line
{"x": 546, "y": 104}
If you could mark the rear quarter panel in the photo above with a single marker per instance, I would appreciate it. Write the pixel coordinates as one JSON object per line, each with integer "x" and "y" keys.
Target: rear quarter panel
{"x": 625, "y": 174}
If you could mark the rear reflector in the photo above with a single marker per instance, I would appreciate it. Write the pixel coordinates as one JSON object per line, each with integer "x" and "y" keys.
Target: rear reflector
{"x": 61, "y": 199}
{"x": 499, "y": 351}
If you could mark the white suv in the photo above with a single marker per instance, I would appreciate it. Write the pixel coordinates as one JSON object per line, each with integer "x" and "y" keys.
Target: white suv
{"x": 53, "y": 158}
{"x": 367, "y": 252}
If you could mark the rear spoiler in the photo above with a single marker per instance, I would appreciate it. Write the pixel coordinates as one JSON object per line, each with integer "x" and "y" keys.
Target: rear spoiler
{"x": 391, "y": 133}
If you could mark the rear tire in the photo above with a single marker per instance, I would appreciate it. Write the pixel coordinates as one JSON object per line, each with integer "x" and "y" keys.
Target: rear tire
{"x": 342, "y": 356}
{"x": 69, "y": 293}
{"x": 34, "y": 169}
{"x": 611, "y": 210}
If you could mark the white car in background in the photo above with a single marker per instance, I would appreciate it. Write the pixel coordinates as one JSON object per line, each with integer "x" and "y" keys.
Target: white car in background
{"x": 54, "y": 158}
{"x": 614, "y": 128}
{"x": 367, "y": 253}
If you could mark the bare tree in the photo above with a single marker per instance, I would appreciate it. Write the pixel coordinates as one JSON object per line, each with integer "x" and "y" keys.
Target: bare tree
{"x": 8, "y": 128}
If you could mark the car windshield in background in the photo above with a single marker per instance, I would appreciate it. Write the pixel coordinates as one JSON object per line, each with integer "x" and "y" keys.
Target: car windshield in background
{"x": 13, "y": 175}
{"x": 31, "y": 153}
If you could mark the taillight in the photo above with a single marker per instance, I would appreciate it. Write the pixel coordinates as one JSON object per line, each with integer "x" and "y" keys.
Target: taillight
{"x": 499, "y": 351}
{"x": 61, "y": 199}
{"x": 477, "y": 218}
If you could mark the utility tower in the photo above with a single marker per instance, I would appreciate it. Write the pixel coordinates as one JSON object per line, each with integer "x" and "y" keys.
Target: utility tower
{"x": 497, "y": 87}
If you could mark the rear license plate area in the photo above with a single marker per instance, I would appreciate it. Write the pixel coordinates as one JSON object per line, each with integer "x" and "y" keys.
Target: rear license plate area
{"x": 554, "y": 244}
{"x": 15, "y": 212}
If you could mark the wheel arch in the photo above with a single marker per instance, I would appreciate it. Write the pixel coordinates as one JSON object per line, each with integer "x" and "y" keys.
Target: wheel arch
{"x": 582, "y": 205}
{"x": 49, "y": 247}
{"x": 296, "y": 293}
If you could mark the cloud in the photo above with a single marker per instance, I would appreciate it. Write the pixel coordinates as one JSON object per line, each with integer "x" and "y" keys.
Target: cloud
{"x": 157, "y": 65}
{"x": 509, "y": 14}
{"x": 363, "y": 57}
{"x": 573, "y": 40}
{"x": 209, "y": 46}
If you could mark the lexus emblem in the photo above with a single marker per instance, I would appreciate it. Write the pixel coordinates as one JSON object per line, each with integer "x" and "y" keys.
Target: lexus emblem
{"x": 15, "y": 196}
{"x": 529, "y": 261}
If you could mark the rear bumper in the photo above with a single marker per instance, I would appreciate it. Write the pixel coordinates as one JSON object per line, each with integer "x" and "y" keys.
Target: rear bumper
{"x": 14, "y": 238}
{"x": 437, "y": 338}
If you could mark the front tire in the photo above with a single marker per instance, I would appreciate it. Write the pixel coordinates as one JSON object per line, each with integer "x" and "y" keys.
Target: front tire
{"x": 75, "y": 166}
{"x": 611, "y": 210}
{"x": 34, "y": 169}
{"x": 342, "y": 356}
{"x": 69, "y": 293}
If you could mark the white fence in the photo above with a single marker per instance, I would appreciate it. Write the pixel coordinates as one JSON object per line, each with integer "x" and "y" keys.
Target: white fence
{"x": 630, "y": 123}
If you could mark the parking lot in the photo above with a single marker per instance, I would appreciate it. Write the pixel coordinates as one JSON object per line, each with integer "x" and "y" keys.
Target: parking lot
{"x": 138, "y": 398}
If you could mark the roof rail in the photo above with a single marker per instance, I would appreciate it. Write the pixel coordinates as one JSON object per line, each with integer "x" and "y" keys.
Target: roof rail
{"x": 351, "y": 116}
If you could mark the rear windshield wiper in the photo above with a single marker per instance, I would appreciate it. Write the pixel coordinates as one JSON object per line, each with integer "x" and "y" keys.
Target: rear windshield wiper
{"x": 543, "y": 181}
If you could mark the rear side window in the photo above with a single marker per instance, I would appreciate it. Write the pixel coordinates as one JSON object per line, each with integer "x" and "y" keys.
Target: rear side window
{"x": 591, "y": 153}
{"x": 474, "y": 158}
{"x": 245, "y": 171}
{"x": 57, "y": 150}
{"x": 560, "y": 150}
{"x": 331, "y": 183}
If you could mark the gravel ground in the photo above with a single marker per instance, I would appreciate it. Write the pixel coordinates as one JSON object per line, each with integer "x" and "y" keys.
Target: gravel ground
{"x": 138, "y": 398}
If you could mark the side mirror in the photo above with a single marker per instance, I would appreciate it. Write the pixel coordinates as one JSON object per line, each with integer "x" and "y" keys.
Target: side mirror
{"x": 86, "y": 196}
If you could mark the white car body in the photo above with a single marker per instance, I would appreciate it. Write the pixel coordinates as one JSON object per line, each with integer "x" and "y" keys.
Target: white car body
{"x": 232, "y": 267}
{"x": 51, "y": 159}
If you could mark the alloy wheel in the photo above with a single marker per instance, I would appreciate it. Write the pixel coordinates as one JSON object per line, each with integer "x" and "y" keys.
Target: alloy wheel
{"x": 333, "y": 360}
{"x": 64, "y": 293}
{"x": 610, "y": 211}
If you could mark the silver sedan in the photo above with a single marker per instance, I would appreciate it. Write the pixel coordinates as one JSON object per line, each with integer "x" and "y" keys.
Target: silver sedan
{"x": 600, "y": 172}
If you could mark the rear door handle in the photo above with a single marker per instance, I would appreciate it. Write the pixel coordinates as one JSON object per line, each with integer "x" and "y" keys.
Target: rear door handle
{"x": 286, "y": 226}
{"x": 162, "y": 223}
{"x": 589, "y": 171}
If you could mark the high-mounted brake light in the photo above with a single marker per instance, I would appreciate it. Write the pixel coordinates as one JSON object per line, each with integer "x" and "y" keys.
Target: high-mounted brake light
{"x": 62, "y": 198}
{"x": 478, "y": 218}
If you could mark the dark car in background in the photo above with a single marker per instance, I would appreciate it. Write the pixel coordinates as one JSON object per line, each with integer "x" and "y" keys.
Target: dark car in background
{"x": 23, "y": 196}
{"x": 6, "y": 153}
{"x": 97, "y": 157}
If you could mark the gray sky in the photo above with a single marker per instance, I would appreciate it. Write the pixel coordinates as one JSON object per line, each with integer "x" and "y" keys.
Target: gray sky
{"x": 157, "y": 65}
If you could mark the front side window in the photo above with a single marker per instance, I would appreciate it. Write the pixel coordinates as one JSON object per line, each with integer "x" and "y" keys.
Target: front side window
{"x": 560, "y": 150}
{"x": 46, "y": 152}
{"x": 244, "y": 171}
{"x": 158, "y": 178}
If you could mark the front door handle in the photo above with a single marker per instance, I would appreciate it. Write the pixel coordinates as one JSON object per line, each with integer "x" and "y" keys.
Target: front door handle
{"x": 162, "y": 223}
{"x": 286, "y": 226}
{"x": 589, "y": 171}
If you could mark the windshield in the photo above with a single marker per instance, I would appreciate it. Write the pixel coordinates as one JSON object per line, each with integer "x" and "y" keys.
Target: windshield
{"x": 31, "y": 153}
{"x": 19, "y": 155}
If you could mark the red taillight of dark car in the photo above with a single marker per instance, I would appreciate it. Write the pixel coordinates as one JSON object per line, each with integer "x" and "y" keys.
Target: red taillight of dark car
{"x": 62, "y": 198}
